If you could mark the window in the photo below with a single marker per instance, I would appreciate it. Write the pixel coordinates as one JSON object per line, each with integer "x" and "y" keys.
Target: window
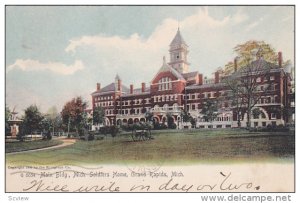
{"x": 272, "y": 78}
{"x": 272, "y": 99}
{"x": 258, "y": 79}
{"x": 255, "y": 124}
{"x": 273, "y": 115}
{"x": 165, "y": 84}
{"x": 264, "y": 124}
{"x": 193, "y": 107}
{"x": 272, "y": 87}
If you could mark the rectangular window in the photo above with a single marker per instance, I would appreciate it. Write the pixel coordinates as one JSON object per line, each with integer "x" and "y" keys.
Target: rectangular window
{"x": 228, "y": 126}
{"x": 219, "y": 126}
{"x": 258, "y": 79}
{"x": 193, "y": 107}
{"x": 273, "y": 115}
{"x": 255, "y": 124}
{"x": 264, "y": 124}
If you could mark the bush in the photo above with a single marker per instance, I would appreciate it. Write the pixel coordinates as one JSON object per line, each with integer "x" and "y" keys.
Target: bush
{"x": 173, "y": 126}
{"x": 114, "y": 130}
{"x": 160, "y": 126}
{"x": 90, "y": 137}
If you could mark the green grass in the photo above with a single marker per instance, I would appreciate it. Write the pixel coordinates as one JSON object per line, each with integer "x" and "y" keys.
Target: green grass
{"x": 172, "y": 147}
{"x": 24, "y": 146}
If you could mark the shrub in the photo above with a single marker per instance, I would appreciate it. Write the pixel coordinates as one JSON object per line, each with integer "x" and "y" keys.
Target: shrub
{"x": 90, "y": 137}
{"x": 160, "y": 126}
{"x": 173, "y": 126}
{"x": 114, "y": 130}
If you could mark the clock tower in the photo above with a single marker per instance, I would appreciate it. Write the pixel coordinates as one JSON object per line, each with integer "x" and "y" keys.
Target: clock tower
{"x": 178, "y": 54}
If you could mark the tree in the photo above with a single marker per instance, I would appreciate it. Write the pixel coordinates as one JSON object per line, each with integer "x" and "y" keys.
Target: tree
{"x": 233, "y": 97}
{"x": 186, "y": 117}
{"x": 32, "y": 120}
{"x": 98, "y": 115}
{"x": 7, "y": 116}
{"x": 73, "y": 115}
{"x": 250, "y": 50}
{"x": 256, "y": 112}
{"x": 245, "y": 83}
{"x": 209, "y": 110}
{"x": 148, "y": 116}
{"x": 248, "y": 79}
{"x": 53, "y": 118}
{"x": 170, "y": 120}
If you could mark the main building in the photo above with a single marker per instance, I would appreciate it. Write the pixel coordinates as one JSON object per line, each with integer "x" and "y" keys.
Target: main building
{"x": 174, "y": 89}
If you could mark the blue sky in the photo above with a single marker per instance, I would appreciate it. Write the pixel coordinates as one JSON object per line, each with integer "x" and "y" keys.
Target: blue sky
{"x": 58, "y": 52}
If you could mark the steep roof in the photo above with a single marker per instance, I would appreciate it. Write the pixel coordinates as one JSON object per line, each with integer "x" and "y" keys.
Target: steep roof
{"x": 190, "y": 74}
{"x": 166, "y": 68}
{"x": 111, "y": 88}
{"x": 178, "y": 39}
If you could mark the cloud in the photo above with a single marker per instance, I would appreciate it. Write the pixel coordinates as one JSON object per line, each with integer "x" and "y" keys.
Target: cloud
{"x": 254, "y": 24}
{"x": 143, "y": 56}
{"x": 56, "y": 67}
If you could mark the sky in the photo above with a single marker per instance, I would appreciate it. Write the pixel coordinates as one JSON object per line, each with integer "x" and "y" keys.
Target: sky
{"x": 54, "y": 53}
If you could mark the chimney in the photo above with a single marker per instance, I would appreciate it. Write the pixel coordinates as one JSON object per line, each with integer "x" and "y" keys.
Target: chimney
{"x": 143, "y": 87}
{"x": 200, "y": 79}
{"x": 280, "y": 59}
{"x": 119, "y": 85}
{"x": 235, "y": 64}
{"x": 98, "y": 86}
{"x": 217, "y": 77}
{"x": 131, "y": 89}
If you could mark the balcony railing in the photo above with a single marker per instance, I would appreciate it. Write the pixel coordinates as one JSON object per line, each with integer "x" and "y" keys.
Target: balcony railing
{"x": 166, "y": 109}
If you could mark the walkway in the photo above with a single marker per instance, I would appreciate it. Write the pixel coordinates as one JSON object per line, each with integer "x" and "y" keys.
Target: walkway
{"x": 66, "y": 142}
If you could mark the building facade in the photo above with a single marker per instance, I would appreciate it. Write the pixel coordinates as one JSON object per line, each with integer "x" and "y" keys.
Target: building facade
{"x": 174, "y": 89}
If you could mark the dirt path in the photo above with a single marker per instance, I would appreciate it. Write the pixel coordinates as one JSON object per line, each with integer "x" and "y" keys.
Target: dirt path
{"x": 66, "y": 142}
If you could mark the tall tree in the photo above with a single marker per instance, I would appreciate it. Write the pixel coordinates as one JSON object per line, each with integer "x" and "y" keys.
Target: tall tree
{"x": 73, "y": 115}
{"x": 233, "y": 98}
{"x": 98, "y": 115}
{"x": 209, "y": 110}
{"x": 54, "y": 118}
{"x": 32, "y": 120}
{"x": 7, "y": 116}
{"x": 248, "y": 84}
{"x": 249, "y": 51}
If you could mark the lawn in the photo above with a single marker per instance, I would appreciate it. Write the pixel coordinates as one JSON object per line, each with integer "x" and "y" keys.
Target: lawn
{"x": 23, "y": 146}
{"x": 173, "y": 147}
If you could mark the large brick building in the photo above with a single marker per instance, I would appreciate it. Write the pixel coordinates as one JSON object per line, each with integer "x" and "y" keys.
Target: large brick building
{"x": 174, "y": 89}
